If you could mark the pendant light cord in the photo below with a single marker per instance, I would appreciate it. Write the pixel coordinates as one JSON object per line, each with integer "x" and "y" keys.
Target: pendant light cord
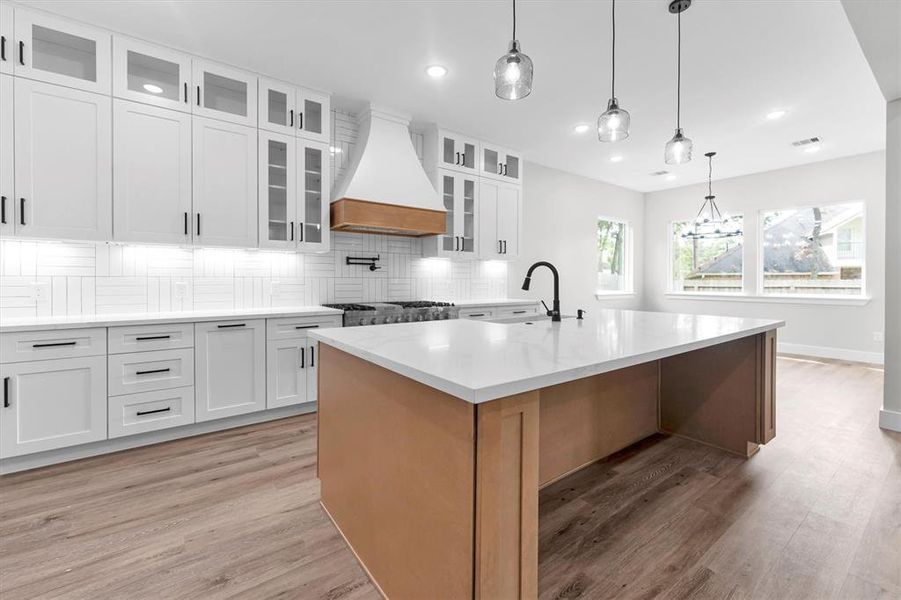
{"x": 709, "y": 175}
{"x": 613, "y": 53}
{"x": 514, "y": 19}
{"x": 679, "y": 75}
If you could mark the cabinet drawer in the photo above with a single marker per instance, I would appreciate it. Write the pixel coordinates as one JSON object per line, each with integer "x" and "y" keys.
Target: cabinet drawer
{"x": 147, "y": 371}
{"x": 476, "y": 313}
{"x": 139, "y": 338}
{"x": 150, "y": 411}
{"x": 42, "y": 345}
{"x": 515, "y": 311}
{"x": 294, "y": 327}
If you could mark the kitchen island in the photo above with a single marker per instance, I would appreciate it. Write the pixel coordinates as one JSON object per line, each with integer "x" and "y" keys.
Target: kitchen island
{"x": 435, "y": 438}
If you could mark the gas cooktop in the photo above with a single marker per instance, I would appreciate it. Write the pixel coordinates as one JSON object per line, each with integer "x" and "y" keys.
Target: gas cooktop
{"x": 382, "y": 313}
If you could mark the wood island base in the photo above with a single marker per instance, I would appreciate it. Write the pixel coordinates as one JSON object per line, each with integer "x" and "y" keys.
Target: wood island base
{"x": 438, "y": 497}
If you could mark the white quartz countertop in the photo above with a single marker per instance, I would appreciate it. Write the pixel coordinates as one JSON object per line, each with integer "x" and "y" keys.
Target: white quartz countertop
{"x": 496, "y": 302}
{"x": 191, "y": 316}
{"x": 479, "y": 361}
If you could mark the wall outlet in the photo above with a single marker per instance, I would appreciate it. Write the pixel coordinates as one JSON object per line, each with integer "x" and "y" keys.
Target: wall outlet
{"x": 40, "y": 290}
{"x": 878, "y": 336}
{"x": 274, "y": 288}
{"x": 181, "y": 290}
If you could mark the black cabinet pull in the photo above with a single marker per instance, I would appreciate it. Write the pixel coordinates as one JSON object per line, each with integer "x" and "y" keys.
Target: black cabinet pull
{"x": 22, "y": 53}
{"x": 519, "y": 312}
{"x": 232, "y": 325}
{"x": 21, "y": 211}
{"x": 6, "y": 392}
{"x": 292, "y": 231}
{"x": 152, "y": 371}
{"x": 306, "y": 326}
{"x": 500, "y": 247}
{"x": 312, "y": 357}
{"x": 186, "y": 92}
{"x": 462, "y": 244}
{"x": 3, "y": 210}
{"x": 300, "y": 228}
{"x": 302, "y": 358}
{"x": 186, "y": 223}
{"x": 291, "y": 112}
{"x": 141, "y": 413}
{"x": 504, "y": 242}
{"x": 152, "y": 337}
{"x": 198, "y": 224}
{"x": 299, "y": 119}
{"x": 456, "y": 243}
{"x": 477, "y": 315}
{"x": 198, "y": 95}
{"x": 500, "y": 168}
{"x": 3, "y": 48}
{"x": 53, "y": 344}
{"x": 505, "y": 169}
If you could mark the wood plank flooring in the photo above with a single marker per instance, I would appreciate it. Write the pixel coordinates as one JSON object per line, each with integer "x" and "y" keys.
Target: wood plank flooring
{"x": 815, "y": 514}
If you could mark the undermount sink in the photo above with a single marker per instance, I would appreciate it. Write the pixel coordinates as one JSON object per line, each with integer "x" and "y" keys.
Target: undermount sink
{"x": 525, "y": 319}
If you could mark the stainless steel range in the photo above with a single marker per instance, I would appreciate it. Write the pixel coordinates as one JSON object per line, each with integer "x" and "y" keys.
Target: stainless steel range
{"x": 380, "y": 313}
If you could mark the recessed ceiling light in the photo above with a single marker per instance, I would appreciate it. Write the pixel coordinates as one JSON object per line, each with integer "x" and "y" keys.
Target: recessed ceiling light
{"x": 775, "y": 114}
{"x": 812, "y": 148}
{"x": 581, "y": 128}
{"x": 670, "y": 177}
{"x": 436, "y": 71}
{"x": 153, "y": 89}
{"x": 616, "y": 158}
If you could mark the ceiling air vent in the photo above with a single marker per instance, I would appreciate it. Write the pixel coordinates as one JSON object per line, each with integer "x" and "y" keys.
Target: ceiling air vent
{"x": 660, "y": 173}
{"x": 806, "y": 142}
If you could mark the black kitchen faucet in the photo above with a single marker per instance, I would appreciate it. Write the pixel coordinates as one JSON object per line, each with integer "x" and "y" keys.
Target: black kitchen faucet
{"x": 553, "y": 313}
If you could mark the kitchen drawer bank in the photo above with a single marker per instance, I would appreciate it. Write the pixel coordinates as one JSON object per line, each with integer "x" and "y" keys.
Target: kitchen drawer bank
{"x": 77, "y": 388}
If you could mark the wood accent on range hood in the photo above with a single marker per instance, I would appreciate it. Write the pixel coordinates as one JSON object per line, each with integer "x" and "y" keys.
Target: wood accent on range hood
{"x": 363, "y": 216}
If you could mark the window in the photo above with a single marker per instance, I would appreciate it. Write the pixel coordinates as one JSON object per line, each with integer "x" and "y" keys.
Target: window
{"x": 706, "y": 265}
{"x": 815, "y": 251}
{"x": 614, "y": 247}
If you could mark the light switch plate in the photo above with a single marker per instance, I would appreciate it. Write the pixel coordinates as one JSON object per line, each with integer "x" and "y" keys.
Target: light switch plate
{"x": 181, "y": 290}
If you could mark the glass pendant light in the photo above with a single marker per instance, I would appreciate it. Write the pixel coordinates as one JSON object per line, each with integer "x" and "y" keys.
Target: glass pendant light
{"x": 710, "y": 222}
{"x": 513, "y": 71}
{"x": 678, "y": 149}
{"x": 613, "y": 124}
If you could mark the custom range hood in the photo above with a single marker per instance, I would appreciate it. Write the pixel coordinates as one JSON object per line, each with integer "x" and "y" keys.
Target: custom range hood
{"x": 385, "y": 189}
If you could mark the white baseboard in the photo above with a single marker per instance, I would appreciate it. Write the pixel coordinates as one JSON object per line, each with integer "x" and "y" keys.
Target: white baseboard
{"x": 890, "y": 419}
{"x": 876, "y": 358}
{"x": 61, "y": 455}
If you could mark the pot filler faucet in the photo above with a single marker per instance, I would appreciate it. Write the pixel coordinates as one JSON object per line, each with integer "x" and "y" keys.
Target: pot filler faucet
{"x": 554, "y": 313}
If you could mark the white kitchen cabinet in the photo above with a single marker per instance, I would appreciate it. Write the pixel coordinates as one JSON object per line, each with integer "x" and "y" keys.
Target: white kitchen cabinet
{"x": 135, "y": 372}
{"x": 313, "y": 196}
{"x": 459, "y": 194}
{"x": 61, "y": 52}
{"x": 151, "y": 74}
{"x": 230, "y": 368}
{"x": 151, "y": 174}
{"x": 7, "y": 165}
{"x": 225, "y": 184}
{"x": 313, "y": 115}
{"x": 278, "y": 192}
{"x": 499, "y": 219}
{"x": 7, "y": 39}
{"x": 444, "y": 149}
{"x": 225, "y": 93}
{"x": 288, "y": 110}
{"x": 150, "y": 411}
{"x": 63, "y": 162}
{"x": 286, "y": 372}
{"x": 501, "y": 164}
{"x": 51, "y": 404}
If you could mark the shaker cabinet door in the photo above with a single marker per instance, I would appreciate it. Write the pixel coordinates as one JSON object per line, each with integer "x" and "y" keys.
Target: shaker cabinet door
{"x": 151, "y": 74}
{"x": 63, "y": 190}
{"x": 230, "y": 369}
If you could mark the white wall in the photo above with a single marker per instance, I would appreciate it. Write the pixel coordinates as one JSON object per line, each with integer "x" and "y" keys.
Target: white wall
{"x": 838, "y": 331}
{"x": 560, "y": 212}
{"x": 890, "y": 418}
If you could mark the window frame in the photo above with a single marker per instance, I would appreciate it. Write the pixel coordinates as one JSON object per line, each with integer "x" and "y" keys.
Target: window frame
{"x": 671, "y": 275}
{"x": 840, "y": 298}
{"x": 628, "y": 260}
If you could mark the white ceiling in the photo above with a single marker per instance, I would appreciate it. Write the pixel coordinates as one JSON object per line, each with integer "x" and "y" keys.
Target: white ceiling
{"x": 741, "y": 59}
{"x": 877, "y": 24}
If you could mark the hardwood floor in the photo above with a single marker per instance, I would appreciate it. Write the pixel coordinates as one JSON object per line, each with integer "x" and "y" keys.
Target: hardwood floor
{"x": 815, "y": 514}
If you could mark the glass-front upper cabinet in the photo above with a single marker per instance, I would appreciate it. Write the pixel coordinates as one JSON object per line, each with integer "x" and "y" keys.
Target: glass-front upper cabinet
{"x": 277, "y": 191}
{"x": 7, "y": 35}
{"x": 501, "y": 164}
{"x": 224, "y": 93}
{"x": 313, "y": 112}
{"x": 444, "y": 149}
{"x": 277, "y": 110}
{"x": 459, "y": 195}
{"x": 151, "y": 75}
{"x": 313, "y": 195}
{"x": 61, "y": 52}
